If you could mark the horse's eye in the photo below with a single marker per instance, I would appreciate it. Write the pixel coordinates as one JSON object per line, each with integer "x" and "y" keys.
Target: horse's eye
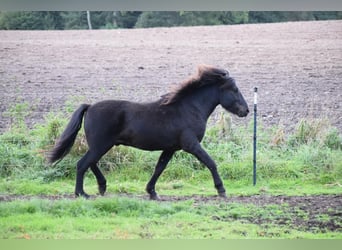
{"x": 235, "y": 89}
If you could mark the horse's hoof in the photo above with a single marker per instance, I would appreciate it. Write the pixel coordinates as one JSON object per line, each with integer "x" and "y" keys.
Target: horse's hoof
{"x": 83, "y": 195}
{"x": 154, "y": 197}
{"x": 223, "y": 195}
{"x": 102, "y": 189}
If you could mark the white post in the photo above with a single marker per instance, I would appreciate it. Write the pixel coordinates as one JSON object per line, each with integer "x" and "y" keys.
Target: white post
{"x": 89, "y": 21}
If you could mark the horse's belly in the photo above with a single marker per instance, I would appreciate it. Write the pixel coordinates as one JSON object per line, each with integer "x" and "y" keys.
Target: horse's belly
{"x": 150, "y": 143}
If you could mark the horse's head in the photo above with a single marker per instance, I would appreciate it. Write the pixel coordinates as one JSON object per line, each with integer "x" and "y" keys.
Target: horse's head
{"x": 231, "y": 98}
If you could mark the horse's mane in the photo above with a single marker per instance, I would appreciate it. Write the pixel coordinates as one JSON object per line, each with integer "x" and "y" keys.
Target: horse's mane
{"x": 206, "y": 75}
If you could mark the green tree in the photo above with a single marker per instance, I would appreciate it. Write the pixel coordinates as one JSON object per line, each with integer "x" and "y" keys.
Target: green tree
{"x": 279, "y": 16}
{"x": 31, "y": 20}
{"x": 127, "y": 19}
{"x": 101, "y": 19}
{"x": 327, "y": 15}
{"x": 75, "y": 19}
{"x": 190, "y": 18}
{"x": 53, "y": 20}
{"x": 42, "y": 20}
{"x": 158, "y": 19}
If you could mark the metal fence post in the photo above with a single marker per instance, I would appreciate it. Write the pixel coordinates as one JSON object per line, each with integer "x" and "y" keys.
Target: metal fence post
{"x": 255, "y": 135}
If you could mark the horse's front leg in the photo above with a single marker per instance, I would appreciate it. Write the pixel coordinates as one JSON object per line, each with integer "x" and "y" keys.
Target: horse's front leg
{"x": 193, "y": 147}
{"x": 164, "y": 159}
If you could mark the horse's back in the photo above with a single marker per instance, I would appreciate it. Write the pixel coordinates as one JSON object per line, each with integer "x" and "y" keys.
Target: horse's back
{"x": 123, "y": 122}
{"x": 148, "y": 126}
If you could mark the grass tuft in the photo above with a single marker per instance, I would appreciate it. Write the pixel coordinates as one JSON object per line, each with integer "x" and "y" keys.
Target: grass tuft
{"x": 312, "y": 152}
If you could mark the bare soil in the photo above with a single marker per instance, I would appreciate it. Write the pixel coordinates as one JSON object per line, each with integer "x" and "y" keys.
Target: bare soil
{"x": 315, "y": 213}
{"x": 297, "y": 67}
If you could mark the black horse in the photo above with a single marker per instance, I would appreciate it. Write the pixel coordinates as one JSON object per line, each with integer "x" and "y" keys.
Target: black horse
{"x": 176, "y": 121}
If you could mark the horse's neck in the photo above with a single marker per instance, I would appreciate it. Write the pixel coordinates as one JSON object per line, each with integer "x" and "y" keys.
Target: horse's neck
{"x": 205, "y": 101}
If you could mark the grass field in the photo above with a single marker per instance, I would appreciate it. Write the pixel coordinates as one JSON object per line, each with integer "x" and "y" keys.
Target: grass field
{"x": 298, "y": 193}
{"x": 44, "y": 211}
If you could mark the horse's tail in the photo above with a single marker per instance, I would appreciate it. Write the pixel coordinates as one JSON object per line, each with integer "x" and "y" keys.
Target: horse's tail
{"x": 67, "y": 139}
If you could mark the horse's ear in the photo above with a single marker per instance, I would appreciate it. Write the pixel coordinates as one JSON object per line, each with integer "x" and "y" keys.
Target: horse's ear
{"x": 224, "y": 74}
{"x": 221, "y": 72}
{"x": 205, "y": 71}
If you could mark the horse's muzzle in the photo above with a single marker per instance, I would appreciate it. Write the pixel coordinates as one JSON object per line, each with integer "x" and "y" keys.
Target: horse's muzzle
{"x": 243, "y": 113}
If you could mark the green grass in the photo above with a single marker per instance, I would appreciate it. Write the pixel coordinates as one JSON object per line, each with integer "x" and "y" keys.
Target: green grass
{"x": 181, "y": 187}
{"x": 127, "y": 218}
{"x": 307, "y": 161}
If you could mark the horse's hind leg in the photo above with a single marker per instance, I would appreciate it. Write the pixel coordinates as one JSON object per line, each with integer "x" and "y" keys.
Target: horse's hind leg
{"x": 82, "y": 166}
{"x": 164, "y": 159}
{"x": 90, "y": 159}
{"x": 101, "y": 180}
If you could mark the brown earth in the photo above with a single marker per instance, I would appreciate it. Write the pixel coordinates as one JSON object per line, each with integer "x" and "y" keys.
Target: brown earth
{"x": 297, "y": 67}
{"x": 315, "y": 213}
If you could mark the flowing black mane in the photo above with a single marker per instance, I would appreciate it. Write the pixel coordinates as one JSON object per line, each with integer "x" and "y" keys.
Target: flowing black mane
{"x": 206, "y": 75}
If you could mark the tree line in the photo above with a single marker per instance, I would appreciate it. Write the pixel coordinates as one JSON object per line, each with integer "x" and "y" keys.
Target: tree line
{"x": 65, "y": 20}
